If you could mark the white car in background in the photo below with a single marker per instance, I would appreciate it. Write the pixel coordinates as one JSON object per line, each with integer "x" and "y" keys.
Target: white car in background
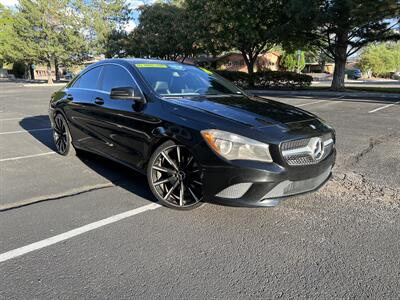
{"x": 3, "y": 73}
{"x": 396, "y": 75}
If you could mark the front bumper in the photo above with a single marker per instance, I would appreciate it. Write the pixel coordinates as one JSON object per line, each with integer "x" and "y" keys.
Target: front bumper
{"x": 254, "y": 184}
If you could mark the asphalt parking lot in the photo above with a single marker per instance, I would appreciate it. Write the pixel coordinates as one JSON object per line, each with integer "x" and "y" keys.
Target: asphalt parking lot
{"x": 93, "y": 230}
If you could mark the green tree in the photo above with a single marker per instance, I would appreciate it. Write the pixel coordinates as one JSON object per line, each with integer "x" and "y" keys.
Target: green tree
{"x": 248, "y": 26}
{"x": 294, "y": 61}
{"x": 103, "y": 19}
{"x": 164, "y": 31}
{"x": 380, "y": 59}
{"x": 6, "y": 35}
{"x": 117, "y": 44}
{"x": 340, "y": 28}
{"x": 48, "y": 32}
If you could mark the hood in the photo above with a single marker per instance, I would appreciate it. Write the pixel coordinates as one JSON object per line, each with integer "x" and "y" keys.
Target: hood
{"x": 251, "y": 111}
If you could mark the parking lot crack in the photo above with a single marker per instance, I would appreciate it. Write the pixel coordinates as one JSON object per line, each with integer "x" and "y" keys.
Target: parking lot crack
{"x": 359, "y": 188}
{"x": 373, "y": 142}
{"x": 58, "y": 196}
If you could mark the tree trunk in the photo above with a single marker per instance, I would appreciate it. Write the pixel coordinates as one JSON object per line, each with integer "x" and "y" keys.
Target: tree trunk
{"x": 250, "y": 69}
{"x": 32, "y": 71}
{"x": 340, "y": 62}
{"x": 249, "y": 60}
{"x": 339, "y": 74}
{"x": 56, "y": 68}
{"x": 49, "y": 76}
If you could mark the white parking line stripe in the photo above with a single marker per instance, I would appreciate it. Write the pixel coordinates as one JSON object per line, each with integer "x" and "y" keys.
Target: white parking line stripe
{"x": 12, "y": 119}
{"x": 74, "y": 232}
{"x": 24, "y": 131}
{"x": 310, "y": 103}
{"x": 383, "y": 107}
{"x": 27, "y": 156}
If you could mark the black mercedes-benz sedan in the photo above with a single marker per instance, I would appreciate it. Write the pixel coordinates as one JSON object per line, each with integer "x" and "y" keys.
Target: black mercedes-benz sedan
{"x": 198, "y": 137}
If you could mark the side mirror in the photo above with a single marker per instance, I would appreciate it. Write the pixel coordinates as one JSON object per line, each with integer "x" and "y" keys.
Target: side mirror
{"x": 126, "y": 93}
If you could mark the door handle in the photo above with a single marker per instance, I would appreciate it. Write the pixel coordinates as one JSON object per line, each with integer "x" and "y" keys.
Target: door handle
{"x": 69, "y": 97}
{"x": 99, "y": 101}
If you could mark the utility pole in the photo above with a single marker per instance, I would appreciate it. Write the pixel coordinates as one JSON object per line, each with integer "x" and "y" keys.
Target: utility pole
{"x": 298, "y": 60}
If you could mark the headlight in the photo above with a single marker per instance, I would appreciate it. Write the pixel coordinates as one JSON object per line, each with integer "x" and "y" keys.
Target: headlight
{"x": 232, "y": 146}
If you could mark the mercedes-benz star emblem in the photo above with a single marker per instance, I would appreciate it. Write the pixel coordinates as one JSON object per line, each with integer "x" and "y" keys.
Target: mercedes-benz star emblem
{"x": 317, "y": 148}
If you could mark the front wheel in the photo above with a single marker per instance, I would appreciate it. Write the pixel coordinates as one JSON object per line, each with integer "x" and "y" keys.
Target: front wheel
{"x": 62, "y": 137}
{"x": 175, "y": 177}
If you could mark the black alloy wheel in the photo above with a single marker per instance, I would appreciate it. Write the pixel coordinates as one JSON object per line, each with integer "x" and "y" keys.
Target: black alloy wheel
{"x": 62, "y": 137}
{"x": 175, "y": 177}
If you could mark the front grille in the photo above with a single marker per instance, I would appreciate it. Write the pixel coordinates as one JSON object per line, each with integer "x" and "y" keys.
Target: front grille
{"x": 290, "y": 188}
{"x": 302, "y": 152}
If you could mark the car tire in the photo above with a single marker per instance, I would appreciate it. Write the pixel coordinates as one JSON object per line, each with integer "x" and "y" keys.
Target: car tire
{"x": 175, "y": 177}
{"x": 62, "y": 136}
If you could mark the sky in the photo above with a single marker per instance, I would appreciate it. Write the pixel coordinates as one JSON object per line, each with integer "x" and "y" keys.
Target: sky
{"x": 9, "y": 2}
{"x": 134, "y": 4}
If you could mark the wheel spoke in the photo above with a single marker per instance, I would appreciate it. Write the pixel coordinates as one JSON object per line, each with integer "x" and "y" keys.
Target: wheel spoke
{"x": 197, "y": 182}
{"x": 162, "y": 169}
{"x": 178, "y": 153}
{"x": 193, "y": 195}
{"x": 163, "y": 181}
{"x": 58, "y": 122}
{"x": 61, "y": 146}
{"x": 181, "y": 194}
{"x": 171, "y": 190}
{"x": 169, "y": 160}
{"x": 190, "y": 160}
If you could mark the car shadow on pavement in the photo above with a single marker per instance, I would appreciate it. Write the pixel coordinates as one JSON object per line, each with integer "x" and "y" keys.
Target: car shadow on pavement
{"x": 36, "y": 126}
{"x": 118, "y": 174}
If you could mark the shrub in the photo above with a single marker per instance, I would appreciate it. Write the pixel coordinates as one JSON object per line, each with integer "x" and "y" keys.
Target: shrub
{"x": 240, "y": 79}
{"x": 269, "y": 79}
{"x": 282, "y": 80}
{"x": 19, "y": 69}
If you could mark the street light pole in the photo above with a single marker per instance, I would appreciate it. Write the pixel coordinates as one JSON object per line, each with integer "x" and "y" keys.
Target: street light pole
{"x": 298, "y": 60}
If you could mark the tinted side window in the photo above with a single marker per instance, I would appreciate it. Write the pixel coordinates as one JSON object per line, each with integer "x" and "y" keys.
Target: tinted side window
{"x": 89, "y": 80}
{"x": 116, "y": 76}
{"x": 74, "y": 83}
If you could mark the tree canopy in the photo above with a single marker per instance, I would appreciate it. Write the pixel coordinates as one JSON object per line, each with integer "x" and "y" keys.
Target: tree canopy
{"x": 66, "y": 31}
{"x": 58, "y": 32}
{"x": 164, "y": 31}
{"x": 340, "y": 28}
{"x": 294, "y": 61}
{"x": 380, "y": 59}
{"x": 247, "y": 26}
{"x": 6, "y": 34}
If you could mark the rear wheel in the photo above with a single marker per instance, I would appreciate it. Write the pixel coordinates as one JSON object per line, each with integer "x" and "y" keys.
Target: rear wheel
{"x": 175, "y": 177}
{"x": 62, "y": 137}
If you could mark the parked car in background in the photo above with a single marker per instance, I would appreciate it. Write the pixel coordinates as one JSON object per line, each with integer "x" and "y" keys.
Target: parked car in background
{"x": 69, "y": 75}
{"x": 396, "y": 75}
{"x": 3, "y": 73}
{"x": 353, "y": 74}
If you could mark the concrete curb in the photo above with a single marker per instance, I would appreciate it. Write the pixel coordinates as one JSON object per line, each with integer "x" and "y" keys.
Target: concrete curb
{"x": 326, "y": 94}
{"x": 43, "y": 84}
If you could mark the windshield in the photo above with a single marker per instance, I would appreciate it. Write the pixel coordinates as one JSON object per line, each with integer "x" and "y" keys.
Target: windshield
{"x": 173, "y": 79}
